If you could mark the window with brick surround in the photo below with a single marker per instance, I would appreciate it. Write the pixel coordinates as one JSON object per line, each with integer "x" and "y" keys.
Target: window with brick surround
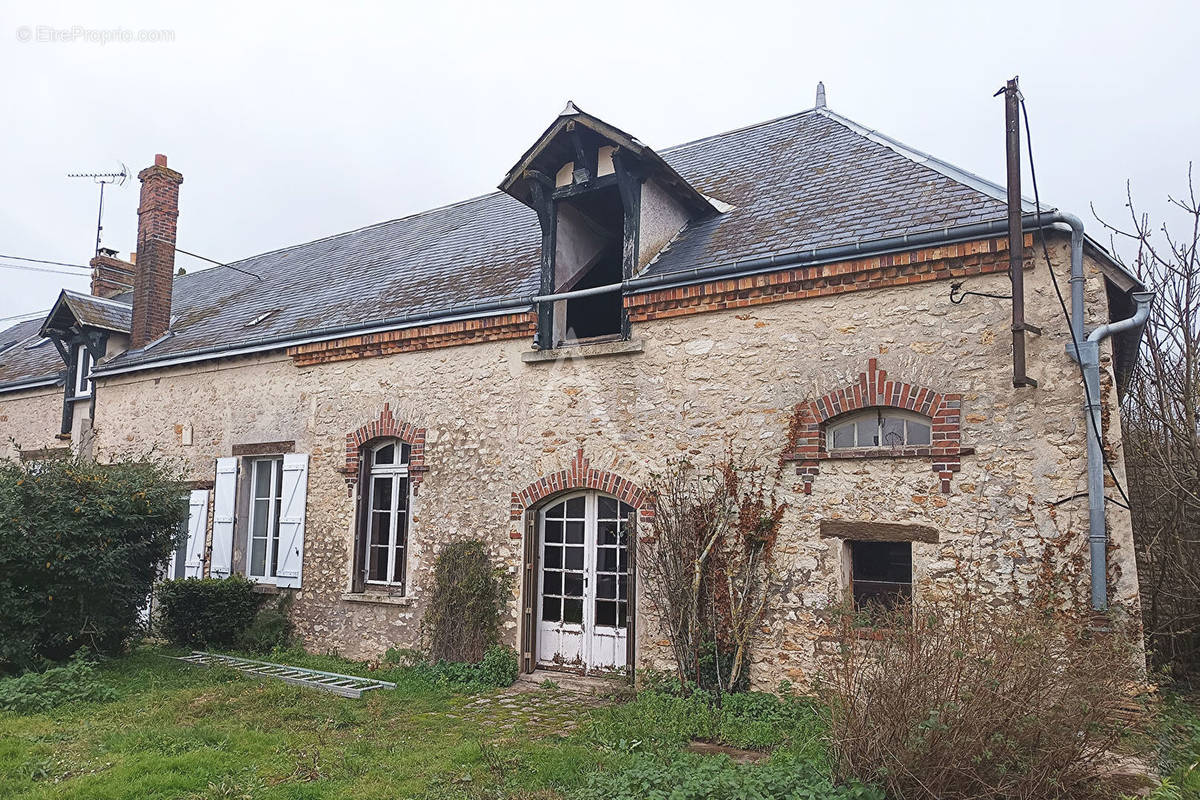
{"x": 877, "y": 427}
{"x": 880, "y": 574}
{"x": 384, "y": 527}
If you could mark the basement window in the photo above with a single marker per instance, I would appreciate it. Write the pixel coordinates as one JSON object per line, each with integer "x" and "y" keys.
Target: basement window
{"x": 878, "y": 427}
{"x": 880, "y": 574}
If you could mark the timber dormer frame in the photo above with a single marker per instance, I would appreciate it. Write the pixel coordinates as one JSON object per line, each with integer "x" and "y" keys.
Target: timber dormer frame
{"x": 587, "y": 180}
{"x": 78, "y": 325}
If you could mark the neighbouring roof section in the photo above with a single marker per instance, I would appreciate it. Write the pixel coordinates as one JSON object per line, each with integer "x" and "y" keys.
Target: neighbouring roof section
{"x": 27, "y": 358}
{"x": 808, "y": 180}
{"x": 75, "y": 310}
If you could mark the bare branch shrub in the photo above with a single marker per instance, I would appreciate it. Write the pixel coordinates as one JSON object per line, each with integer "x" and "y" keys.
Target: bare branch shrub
{"x": 708, "y": 564}
{"x": 1161, "y": 428}
{"x": 959, "y": 696}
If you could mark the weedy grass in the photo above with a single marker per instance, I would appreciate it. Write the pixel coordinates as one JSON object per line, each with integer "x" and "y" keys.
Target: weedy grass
{"x": 168, "y": 730}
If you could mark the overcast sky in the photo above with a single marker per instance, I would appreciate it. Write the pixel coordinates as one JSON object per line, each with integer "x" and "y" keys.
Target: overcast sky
{"x": 291, "y": 123}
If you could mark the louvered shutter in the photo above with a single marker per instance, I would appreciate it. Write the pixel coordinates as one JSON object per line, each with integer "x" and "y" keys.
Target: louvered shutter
{"x": 291, "y": 520}
{"x": 193, "y": 561}
{"x": 362, "y": 493}
{"x": 224, "y": 504}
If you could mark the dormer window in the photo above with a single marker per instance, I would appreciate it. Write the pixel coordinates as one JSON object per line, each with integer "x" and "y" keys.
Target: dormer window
{"x": 877, "y": 427}
{"x": 83, "y": 371}
{"x": 607, "y": 205}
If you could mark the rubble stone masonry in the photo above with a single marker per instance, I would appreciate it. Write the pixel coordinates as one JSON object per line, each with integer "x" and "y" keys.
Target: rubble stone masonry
{"x": 493, "y": 426}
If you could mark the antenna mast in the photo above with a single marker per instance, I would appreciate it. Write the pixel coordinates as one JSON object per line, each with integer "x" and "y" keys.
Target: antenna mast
{"x": 103, "y": 178}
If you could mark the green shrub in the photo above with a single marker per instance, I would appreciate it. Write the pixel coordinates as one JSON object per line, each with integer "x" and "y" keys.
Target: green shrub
{"x": 695, "y": 777}
{"x": 208, "y": 612}
{"x": 499, "y": 666}
{"x": 271, "y": 629}
{"x": 32, "y": 692}
{"x": 497, "y": 669}
{"x": 462, "y": 618}
{"x": 80, "y": 547}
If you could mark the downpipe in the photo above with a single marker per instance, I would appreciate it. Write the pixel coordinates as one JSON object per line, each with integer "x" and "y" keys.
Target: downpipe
{"x": 1089, "y": 359}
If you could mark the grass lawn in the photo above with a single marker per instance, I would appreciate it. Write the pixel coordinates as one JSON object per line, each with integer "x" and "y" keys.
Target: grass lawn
{"x": 178, "y": 731}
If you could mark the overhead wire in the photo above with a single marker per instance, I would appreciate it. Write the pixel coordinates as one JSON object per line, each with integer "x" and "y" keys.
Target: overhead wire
{"x": 1037, "y": 210}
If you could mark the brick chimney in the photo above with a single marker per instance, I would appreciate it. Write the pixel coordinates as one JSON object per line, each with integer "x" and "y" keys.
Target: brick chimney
{"x": 110, "y": 275}
{"x": 154, "y": 271}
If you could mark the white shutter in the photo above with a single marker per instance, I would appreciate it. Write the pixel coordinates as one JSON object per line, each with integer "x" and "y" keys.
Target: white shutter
{"x": 193, "y": 560}
{"x": 224, "y": 500}
{"x": 291, "y": 520}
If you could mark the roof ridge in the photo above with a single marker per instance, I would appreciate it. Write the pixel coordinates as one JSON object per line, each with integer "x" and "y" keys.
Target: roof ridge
{"x": 95, "y": 299}
{"x": 751, "y": 126}
{"x": 921, "y": 158}
{"x": 474, "y": 199}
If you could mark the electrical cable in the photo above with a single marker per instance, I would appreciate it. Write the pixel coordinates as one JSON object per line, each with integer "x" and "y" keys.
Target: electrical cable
{"x": 28, "y": 268}
{"x": 44, "y": 261}
{"x": 1087, "y": 393}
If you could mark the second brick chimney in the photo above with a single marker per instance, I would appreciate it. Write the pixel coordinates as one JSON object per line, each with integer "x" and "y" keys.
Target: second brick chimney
{"x": 154, "y": 270}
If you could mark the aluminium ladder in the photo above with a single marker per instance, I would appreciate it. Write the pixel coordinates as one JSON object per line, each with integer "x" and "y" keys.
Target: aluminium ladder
{"x": 344, "y": 685}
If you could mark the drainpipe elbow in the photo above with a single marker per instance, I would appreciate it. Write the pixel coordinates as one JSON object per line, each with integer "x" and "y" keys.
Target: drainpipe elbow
{"x": 1144, "y": 300}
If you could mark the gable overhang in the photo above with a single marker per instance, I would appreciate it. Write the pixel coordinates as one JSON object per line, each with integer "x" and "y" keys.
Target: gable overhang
{"x": 72, "y": 312}
{"x": 557, "y": 145}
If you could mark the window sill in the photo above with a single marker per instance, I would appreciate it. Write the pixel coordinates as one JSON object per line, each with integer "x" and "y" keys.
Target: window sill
{"x": 596, "y": 350}
{"x": 915, "y": 451}
{"x": 379, "y": 598}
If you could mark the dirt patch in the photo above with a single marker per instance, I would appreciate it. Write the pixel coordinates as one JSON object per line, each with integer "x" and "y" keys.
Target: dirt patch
{"x": 736, "y": 753}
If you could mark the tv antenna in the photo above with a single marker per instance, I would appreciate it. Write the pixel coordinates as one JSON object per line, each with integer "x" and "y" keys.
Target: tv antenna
{"x": 103, "y": 178}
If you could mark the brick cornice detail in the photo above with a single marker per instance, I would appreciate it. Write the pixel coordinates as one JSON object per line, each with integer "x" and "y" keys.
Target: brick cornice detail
{"x": 387, "y": 427}
{"x": 422, "y": 337}
{"x": 581, "y": 475}
{"x": 806, "y": 436}
{"x": 961, "y": 260}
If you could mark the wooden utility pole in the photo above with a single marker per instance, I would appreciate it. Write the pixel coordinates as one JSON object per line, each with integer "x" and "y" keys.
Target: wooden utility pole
{"x": 1016, "y": 237}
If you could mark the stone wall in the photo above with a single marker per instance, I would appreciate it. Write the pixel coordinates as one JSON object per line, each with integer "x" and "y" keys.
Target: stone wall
{"x": 30, "y": 419}
{"x": 495, "y": 424}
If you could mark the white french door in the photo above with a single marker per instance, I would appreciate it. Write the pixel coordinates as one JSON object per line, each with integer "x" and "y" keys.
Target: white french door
{"x": 583, "y": 597}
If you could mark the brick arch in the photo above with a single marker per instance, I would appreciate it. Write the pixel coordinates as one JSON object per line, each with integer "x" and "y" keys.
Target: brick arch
{"x": 387, "y": 427}
{"x": 580, "y": 475}
{"x": 873, "y": 389}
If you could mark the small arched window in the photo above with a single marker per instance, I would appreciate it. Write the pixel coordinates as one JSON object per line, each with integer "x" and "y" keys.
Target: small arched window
{"x": 878, "y": 427}
{"x": 387, "y": 492}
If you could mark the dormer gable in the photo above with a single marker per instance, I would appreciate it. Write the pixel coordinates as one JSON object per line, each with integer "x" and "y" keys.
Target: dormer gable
{"x": 607, "y": 205}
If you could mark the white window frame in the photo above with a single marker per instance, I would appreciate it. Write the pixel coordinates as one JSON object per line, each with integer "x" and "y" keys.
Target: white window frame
{"x": 83, "y": 371}
{"x": 852, "y": 420}
{"x": 398, "y": 519}
{"x": 274, "y": 500}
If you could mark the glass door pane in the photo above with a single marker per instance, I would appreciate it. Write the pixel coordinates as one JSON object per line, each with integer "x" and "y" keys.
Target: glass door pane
{"x": 612, "y": 554}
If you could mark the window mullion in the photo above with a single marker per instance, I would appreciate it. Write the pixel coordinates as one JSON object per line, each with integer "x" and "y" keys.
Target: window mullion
{"x": 393, "y": 527}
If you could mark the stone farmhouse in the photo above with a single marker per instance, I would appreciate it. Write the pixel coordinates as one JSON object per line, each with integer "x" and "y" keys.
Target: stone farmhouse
{"x": 515, "y": 367}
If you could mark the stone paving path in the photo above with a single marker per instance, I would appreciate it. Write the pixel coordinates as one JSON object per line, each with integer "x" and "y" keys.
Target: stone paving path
{"x": 530, "y": 712}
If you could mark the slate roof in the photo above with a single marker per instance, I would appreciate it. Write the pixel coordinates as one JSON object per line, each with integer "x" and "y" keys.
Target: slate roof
{"x": 97, "y": 312}
{"x": 812, "y": 179}
{"x": 22, "y": 364}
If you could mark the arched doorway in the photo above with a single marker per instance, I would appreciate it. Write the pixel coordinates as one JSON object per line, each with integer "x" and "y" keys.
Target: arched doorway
{"x": 583, "y": 558}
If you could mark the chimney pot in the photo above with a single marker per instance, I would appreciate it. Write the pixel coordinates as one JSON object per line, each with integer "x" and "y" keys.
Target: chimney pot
{"x": 160, "y": 160}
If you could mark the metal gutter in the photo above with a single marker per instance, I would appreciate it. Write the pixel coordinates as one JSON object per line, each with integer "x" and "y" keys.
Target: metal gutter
{"x": 16, "y": 386}
{"x": 823, "y": 255}
{"x": 490, "y": 309}
{"x": 739, "y": 267}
